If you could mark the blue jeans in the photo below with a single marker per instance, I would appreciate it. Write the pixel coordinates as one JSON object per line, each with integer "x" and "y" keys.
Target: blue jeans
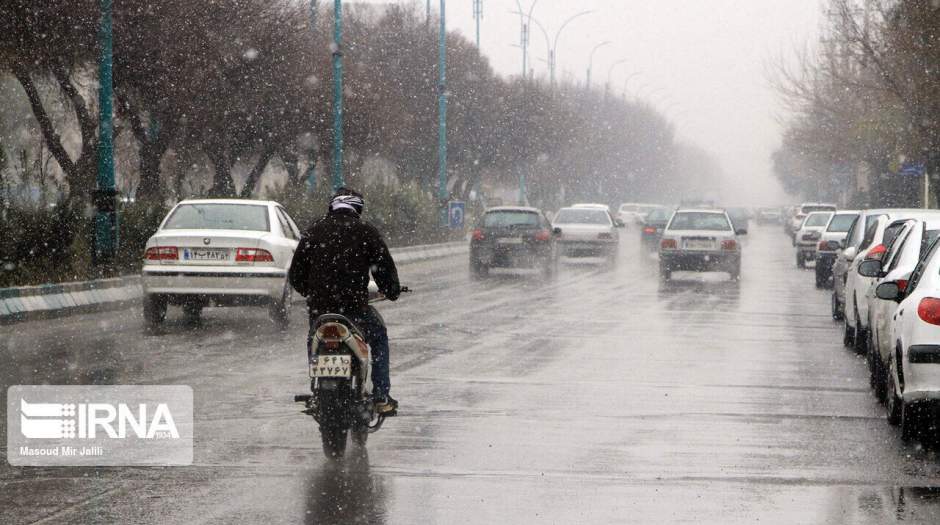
{"x": 372, "y": 326}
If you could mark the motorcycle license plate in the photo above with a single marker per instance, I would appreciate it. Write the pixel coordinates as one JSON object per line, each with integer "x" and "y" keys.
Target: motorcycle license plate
{"x": 331, "y": 366}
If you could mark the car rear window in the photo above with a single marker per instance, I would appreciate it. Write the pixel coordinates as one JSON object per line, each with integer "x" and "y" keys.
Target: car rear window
{"x": 841, "y": 223}
{"x": 496, "y": 219}
{"x": 817, "y": 219}
{"x": 251, "y": 217}
{"x": 811, "y": 209}
{"x": 582, "y": 216}
{"x": 659, "y": 214}
{"x": 699, "y": 221}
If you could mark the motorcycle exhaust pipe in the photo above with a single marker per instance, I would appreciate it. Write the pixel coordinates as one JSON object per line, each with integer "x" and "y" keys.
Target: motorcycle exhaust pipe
{"x": 302, "y": 398}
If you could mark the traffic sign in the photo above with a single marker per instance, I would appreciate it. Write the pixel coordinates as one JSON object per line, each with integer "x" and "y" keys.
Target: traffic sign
{"x": 455, "y": 214}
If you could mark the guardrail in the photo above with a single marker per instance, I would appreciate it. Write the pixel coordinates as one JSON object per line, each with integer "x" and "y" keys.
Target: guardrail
{"x": 54, "y": 300}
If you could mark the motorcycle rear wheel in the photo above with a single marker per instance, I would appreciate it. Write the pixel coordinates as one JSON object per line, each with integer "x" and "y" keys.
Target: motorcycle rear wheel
{"x": 334, "y": 441}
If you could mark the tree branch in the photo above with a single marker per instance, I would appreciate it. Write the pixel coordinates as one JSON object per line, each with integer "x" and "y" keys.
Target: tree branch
{"x": 53, "y": 141}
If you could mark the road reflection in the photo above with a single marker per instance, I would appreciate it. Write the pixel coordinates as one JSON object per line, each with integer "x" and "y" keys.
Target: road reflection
{"x": 345, "y": 491}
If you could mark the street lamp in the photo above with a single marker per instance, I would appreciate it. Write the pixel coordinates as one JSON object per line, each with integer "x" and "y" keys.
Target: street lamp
{"x": 552, "y": 45}
{"x": 442, "y": 115}
{"x": 627, "y": 82}
{"x": 524, "y": 35}
{"x": 337, "y": 94}
{"x": 591, "y": 61}
{"x": 105, "y": 196}
{"x": 610, "y": 72}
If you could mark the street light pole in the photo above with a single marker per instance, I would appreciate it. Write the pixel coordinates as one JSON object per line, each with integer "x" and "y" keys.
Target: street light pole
{"x": 555, "y": 43}
{"x": 442, "y": 115}
{"x": 478, "y": 15}
{"x": 525, "y": 22}
{"x": 610, "y": 71}
{"x": 591, "y": 62}
{"x": 337, "y": 94}
{"x": 105, "y": 196}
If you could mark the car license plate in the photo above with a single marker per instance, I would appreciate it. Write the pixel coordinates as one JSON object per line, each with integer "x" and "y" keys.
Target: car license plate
{"x": 331, "y": 366}
{"x": 695, "y": 244}
{"x": 205, "y": 254}
{"x": 509, "y": 240}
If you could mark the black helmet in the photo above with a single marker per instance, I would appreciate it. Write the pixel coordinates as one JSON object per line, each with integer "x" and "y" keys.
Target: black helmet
{"x": 346, "y": 198}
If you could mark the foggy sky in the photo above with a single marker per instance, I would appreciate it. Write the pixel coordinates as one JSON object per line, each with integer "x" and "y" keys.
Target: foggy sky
{"x": 703, "y": 62}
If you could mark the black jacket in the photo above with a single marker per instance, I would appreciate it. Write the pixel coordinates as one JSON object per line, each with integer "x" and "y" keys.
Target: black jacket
{"x": 332, "y": 263}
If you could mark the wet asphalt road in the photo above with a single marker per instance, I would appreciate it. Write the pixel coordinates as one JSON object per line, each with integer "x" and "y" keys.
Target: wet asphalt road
{"x": 603, "y": 397}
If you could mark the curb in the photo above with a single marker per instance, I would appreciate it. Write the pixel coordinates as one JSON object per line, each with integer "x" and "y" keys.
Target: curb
{"x": 45, "y": 301}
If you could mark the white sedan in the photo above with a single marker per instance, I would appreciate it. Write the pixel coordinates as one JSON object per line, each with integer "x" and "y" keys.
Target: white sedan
{"x": 220, "y": 252}
{"x": 913, "y": 375}
{"x": 590, "y": 232}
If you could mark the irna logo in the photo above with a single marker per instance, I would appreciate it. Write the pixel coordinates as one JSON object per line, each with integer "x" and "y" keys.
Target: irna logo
{"x": 94, "y": 420}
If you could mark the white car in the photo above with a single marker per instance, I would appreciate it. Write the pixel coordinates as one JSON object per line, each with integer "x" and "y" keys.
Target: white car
{"x": 587, "y": 231}
{"x": 592, "y": 205}
{"x": 699, "y": 240}
{"x": 831, "y": 243}
{"x": 880, "y": 234}
{"x": 913, "y": 369}
{"x": 635, "y": 213}
{"x": 846, "y": 256}
{"x": 221, "y": 252}
{"x": 808, "y": 236}
{"x": 912, "y": 241}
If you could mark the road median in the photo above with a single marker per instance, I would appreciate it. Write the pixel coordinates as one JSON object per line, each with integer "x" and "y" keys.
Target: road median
{"x": 27, "y": 303}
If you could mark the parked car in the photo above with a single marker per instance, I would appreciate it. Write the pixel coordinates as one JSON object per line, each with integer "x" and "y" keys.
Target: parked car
{"x": 899, "y": 261}
{"x": 587, "y": 232}
{"x": 845, "y": 257}
{"x": 592, "y": 205}
{"x": 912, "y": 371}
{"x": 878, "y": 237}
{"x": 699, "y": 240}
{"x": 220, "y": 252}
{"x": 808, "y": 236}
{"x": 653, "y": 226}
{"x": 830, "y": 244}
{"x": 799, "y": 215}
{"x": 513, "y": 237}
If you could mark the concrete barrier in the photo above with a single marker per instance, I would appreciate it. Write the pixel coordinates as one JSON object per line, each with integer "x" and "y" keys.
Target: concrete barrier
{"x": 54, "y": 300}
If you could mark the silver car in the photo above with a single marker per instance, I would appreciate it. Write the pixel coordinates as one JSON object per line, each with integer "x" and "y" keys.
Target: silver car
{"x": 699, "y": 240}
{"x": 587, "y": 232}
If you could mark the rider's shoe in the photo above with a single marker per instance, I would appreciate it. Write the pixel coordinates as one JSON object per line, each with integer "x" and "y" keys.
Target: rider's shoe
{"x": 385, "y": 406}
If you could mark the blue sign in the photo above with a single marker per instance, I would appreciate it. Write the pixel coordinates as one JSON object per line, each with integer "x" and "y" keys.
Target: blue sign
{"x": 455, "y": 214}
{"x": 912, "y": 169}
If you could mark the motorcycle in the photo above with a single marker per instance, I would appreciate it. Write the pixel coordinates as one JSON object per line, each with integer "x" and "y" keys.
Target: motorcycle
{"x": 340, "y": 369}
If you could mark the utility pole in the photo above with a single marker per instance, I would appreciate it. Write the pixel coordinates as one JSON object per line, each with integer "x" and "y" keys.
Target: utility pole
{"x": 442, "y": 115}
{"x": 478, "y": 15}
{"x": 525, "y": 22}
{"x": 105, "y": 196}
{"x": 337, "y": 94}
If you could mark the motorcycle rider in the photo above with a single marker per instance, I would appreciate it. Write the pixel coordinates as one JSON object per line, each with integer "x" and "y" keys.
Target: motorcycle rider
{"x": 331, "y": 269}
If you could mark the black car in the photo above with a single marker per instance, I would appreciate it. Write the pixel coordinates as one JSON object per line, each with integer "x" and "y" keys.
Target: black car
{"x": 652, "y": 227}
{"x": 513, "y": 237}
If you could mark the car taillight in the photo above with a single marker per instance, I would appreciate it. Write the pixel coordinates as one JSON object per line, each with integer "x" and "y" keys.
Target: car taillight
{"x": 877, "y": 252}
{"x": 604, "y": 236}
{"x": 543, "y": 235}
{"x": 253, "y": 255}
{"x": 477, "y": 235}
{"x": 649, "y": 230}
{"x": 902, "y": 285}
{"x": 729, "y": 244}
{"x": 162, "y": 253}
{"x": 827, "y": 246}
{"x": 668, "y": 244}
{"x": 929, "y": 310}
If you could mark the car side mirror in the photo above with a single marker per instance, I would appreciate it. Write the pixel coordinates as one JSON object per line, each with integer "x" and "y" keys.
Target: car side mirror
{"x": 619, "y": 223}
{"x": 870, "y": 268}
{"x": 740, "y": 231}
{"x": 888, "y": 291}
{"x": 850, "y": 253}
{"x": 556, "y": 230}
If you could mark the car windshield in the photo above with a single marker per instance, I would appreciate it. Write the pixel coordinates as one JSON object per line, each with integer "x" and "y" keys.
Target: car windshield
{"x": 696, "y": 220}
{"x": 250, "y": 217}
{"x": 497, "y": 219}
{"x": 582, "y": 216}
{"x": 841, "y": 223}
{"x": 817, "y": 219}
